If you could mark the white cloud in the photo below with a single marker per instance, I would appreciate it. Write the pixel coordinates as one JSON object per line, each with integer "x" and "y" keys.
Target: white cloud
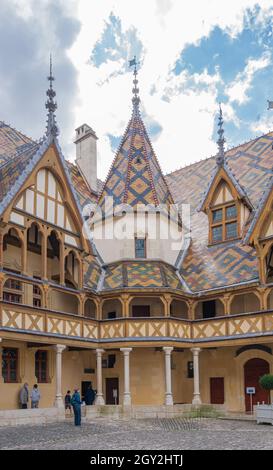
{"x": 164, "y": 28}
{"x": 237, "y": 91}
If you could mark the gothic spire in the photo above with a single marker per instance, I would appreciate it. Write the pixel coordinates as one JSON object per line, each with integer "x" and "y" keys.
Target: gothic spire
{"x": 220, "y": 159}
{"x": 51, "y": 106}
{"x": 135, "y": 90}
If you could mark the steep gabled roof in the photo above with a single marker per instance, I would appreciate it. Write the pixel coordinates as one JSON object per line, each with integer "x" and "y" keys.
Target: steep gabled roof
{"x": 135, "y": 176}
{"x": 226, "y": 172}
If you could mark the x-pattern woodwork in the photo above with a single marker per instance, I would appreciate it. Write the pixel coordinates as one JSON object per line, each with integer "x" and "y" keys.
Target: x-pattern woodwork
{"x": 245, "y": 325}
{"x": 180, "y": 330}
{"x": 12, "y": 319}
{"x": 209, "y": 329}
{"x": 34, "y": 322}
{"x": 112, "y": 330}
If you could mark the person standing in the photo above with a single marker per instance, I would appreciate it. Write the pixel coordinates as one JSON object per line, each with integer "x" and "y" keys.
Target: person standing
{"x": 35, "y": 397}
{"x": 76, "y": 403}
{"x": 89, "y": 396}
{"x": 24, "y": 395}
{"x": 67, "y": 401}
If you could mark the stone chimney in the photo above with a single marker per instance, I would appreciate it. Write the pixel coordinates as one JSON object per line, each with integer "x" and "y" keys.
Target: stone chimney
{"x": 86, "y": 154}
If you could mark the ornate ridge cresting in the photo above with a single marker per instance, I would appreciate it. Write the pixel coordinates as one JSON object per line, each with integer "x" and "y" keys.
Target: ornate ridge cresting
{"x": 51, "y": 106}
{"x": 135, "y": 90}
{"x": 220, "y": 159}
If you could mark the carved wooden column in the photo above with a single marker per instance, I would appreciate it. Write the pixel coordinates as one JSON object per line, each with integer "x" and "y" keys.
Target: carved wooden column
{"x": 62, "y": 258}
{"x": 226, "y": 301}
{"x": 24, "y": 252}
{"x": 1, "y": 352}
{"x": 44, "y": 254}
{"x": 125, "y": 299}
{"x": 1, "y": 249}
{"x": 167, "y": 300}
{"x": 192, "y": 304}
{"x": 81, "y": 299}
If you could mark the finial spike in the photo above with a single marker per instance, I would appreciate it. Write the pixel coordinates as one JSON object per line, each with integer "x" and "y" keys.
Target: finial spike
{"x": 51, "y": 105}
{"x": 220, "y": 159}
{"x": 135, "y": 99}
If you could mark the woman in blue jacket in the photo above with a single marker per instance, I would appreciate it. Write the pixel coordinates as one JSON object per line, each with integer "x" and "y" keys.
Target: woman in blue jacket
{"x": 76, "y": 403}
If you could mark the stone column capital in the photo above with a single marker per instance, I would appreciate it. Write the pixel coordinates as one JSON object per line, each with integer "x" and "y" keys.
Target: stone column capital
{"x": 167, "y": 349}
{"x": 99, "y": 352}
{"x": 126, "y": 351}
{"x": 196, "y": 351}
{"x": 59, "y": 348}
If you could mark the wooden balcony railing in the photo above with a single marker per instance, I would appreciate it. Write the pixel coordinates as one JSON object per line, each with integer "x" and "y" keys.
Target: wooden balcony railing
{"x": 21, "y": 318}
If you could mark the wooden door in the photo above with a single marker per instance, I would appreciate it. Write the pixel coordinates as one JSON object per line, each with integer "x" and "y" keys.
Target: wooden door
{"x": 217, "y": 390}
{"x": 111, "y": 385}
{"x": 253, "y": 370}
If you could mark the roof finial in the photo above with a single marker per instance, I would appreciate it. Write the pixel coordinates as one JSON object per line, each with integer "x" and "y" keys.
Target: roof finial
{"x": 51, "y": 106}
{"x": 135, "y": 99}
{"x": 220, "y": 159}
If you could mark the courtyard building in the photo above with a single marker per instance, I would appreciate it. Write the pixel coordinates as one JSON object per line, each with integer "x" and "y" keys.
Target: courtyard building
{"x": 148, "y": 320}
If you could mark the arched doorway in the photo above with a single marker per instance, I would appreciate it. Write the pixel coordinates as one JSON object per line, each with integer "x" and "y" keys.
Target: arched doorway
{"x": 253, "y": 370}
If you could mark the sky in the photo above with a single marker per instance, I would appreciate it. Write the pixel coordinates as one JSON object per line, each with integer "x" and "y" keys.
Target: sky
{"x": 191, "y": 56}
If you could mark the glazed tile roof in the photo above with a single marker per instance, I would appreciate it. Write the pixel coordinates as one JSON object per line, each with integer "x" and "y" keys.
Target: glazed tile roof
{"x": 11, "y": 169}
{"x": 135, "y": 176}
{"x": 12, "y": 142}
{"x": 206, "y": 267}
{"x": 140, "y": 273}
{"x": 203, "y": 267}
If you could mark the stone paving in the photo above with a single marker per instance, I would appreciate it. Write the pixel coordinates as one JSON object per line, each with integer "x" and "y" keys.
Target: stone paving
{"x": 149, "y": 434}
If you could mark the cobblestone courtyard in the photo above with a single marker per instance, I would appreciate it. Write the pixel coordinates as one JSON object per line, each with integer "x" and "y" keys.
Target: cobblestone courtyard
{"x": 177, "y": 433}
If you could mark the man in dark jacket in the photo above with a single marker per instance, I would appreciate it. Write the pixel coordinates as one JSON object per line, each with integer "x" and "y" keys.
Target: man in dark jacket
{"x": 76, "y": 403}
{"x": 89, "y": 396}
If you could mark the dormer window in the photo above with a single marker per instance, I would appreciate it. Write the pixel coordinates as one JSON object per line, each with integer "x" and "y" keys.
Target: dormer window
{"x": 224, "y": 224}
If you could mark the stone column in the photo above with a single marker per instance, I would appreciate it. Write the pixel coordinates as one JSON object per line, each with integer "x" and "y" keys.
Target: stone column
{"x": 127, "y": 393}
{"x": 59, "y": 348}
{"x": 99, "y": 397}
{"x": 168, "y": 376}
{"x": 1, "y": 351}
{"x": 196, "y": 391}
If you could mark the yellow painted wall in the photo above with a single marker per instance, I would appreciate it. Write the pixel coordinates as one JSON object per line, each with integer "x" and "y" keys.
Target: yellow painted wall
{"x": 147, "y": 374}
